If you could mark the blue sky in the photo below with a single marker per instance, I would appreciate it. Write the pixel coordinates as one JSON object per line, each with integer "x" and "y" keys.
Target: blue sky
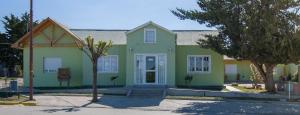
{"x": 105, "y": 14}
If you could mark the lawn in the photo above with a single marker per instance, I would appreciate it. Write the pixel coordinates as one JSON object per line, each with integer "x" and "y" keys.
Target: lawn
{"x": 249, "y": 90}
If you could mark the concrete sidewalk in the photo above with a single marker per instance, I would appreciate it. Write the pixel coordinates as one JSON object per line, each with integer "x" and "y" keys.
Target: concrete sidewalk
{"x": 230, "y": 88}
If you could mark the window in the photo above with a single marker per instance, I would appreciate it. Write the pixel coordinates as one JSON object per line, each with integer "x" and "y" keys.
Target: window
{"x": 51, "y": 64}
{"x": 149, "y": 35}
{"x": 231, "y": 69}
{"x": 198, "y": 63}
{"x": 108, "y": 64}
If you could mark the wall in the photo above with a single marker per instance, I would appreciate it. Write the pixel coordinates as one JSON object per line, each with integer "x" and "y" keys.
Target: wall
{"x": 71, "y": 58}
{"x": 214, "y": 78}
{"x": 104, "y": 78}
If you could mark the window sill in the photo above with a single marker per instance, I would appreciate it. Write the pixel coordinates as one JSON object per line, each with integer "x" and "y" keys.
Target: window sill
{"x": 199, "y": 72}
{"x": 107, "y": 72}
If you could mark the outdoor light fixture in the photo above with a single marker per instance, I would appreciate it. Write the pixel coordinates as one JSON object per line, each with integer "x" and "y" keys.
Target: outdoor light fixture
{"x": 130, "y": 50}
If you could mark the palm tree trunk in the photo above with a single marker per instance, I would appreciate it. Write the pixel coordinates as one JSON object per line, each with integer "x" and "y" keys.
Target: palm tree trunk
{"x": 95, "y": 93}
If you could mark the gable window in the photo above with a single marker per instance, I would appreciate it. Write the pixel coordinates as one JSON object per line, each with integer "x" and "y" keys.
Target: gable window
{"x": 149, "y": 35}
{"x": 198, "y": 63}
{"x": 51, "y": 64}
{"x": 108, "y": 64}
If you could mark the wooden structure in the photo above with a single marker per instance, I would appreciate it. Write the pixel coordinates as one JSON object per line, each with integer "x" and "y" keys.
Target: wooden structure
{"x": 64, "y": 76}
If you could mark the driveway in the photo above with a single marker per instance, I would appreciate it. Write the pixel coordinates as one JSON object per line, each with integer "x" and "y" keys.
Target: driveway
{"x": 58, "y": 104}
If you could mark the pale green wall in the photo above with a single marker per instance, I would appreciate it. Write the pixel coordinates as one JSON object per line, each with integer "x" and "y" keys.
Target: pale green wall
{"x": 164, "y": 42}
{"x": 214, "y": 78}
{"x": 243, "y": 68}
{"x": 71, "y": 58}
{"x": 104, "y": 78}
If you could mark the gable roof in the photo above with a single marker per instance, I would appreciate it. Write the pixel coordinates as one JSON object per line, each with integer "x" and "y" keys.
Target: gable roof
{"x": 146, "y": 24}
{"x": 43, "y": 25}
{"x": 118, "y": 37}
{"x": 190, "y": 37}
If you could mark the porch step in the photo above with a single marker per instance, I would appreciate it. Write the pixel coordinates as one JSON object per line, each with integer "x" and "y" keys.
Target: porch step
{"x": 147, "y": 92}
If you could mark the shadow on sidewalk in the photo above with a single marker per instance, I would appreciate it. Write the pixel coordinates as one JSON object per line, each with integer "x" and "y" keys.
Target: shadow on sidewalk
{"x": 120, "y": 102}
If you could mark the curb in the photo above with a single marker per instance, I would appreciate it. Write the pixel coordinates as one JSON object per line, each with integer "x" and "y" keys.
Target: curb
{"x": 25, "y": 103}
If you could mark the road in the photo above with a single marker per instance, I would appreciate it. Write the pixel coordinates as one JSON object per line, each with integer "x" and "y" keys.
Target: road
{"x": 117, "y": 105}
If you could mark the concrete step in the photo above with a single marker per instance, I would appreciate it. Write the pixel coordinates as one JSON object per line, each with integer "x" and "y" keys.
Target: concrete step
{"x": 147, "y": 92}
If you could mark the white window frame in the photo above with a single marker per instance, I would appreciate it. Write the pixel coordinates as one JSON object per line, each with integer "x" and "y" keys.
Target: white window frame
{"x": 195, "y": 56}
{"x": 117, "y": 71}
{"x": 148, "y": 29}
{"x": 49, "y": 71}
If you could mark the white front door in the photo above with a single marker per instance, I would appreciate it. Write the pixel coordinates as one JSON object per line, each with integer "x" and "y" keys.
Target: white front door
{"x": 150, "y": 69}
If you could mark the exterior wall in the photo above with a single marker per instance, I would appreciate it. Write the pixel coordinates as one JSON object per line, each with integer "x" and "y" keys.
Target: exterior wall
{"x": 71, "y": 58}
{"x": 214, "y": 78}
{"x": 243, "y": 68}
{"x": 104, "y": 78}
{"x": 165, "y": 43}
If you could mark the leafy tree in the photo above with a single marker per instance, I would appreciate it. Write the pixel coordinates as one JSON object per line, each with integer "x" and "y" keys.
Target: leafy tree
{"x": 95, "y": 51}
{"x": 262, "y": 31}
{"x": 15, "y": 27}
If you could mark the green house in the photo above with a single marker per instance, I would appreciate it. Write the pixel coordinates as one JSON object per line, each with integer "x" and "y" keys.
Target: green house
{"x": 148, "y": 55}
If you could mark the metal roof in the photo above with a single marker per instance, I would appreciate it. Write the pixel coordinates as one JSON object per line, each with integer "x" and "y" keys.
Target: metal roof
{"x": 118, "y": 37}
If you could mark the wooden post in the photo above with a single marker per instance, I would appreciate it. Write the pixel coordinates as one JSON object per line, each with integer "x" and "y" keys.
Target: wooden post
{"x": 30, "y": 55}
{"x": 299, "y": 74}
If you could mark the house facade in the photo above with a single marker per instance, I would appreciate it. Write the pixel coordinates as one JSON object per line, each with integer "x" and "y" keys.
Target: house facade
{"x": 148, "y": 55}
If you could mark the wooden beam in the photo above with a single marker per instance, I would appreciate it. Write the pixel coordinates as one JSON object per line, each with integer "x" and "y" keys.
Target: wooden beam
{"x": 60, "y": 37}
{"x": 57, "y": 45}
{"x": 47, "y": 37}
{"x": 53, "y": 37}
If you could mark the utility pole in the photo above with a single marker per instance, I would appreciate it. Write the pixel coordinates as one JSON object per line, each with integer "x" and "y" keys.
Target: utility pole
{"x": 30, "y": 55}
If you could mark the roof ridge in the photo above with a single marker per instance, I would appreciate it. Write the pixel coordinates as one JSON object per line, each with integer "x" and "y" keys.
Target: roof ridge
{"x": 77, "y": 29}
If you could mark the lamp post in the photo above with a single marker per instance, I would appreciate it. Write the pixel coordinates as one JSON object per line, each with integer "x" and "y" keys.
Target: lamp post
{"x": 30, "y": 54}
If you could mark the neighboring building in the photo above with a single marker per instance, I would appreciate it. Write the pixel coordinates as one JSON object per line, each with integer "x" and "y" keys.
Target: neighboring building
{"x": 148, "y": 55}
{"x": 240, "y": 71}
{"x": 236, "y": 70}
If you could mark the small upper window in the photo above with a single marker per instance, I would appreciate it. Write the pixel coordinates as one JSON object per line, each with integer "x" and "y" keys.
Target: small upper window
{"x": 51, "y": 64}
{"x": 150, "y": 36}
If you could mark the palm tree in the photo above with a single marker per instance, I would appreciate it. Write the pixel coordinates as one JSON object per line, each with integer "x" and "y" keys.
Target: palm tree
{"x": 95, "y": 51}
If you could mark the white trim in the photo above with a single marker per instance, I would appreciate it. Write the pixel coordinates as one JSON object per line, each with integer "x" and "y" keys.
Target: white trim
{"x": 105, "y": 72}
{"x": 150, "y": 22}
{"x": 150, "y": 29}
{"x": 156, "y": 77}
{"x": 197, "y": 72}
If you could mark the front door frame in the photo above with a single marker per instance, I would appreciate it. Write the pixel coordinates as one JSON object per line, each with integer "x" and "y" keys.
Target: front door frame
{"x": 156, "y": 69}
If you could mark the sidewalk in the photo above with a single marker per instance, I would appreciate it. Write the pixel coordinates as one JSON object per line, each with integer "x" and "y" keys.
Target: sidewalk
{"x": 230, "y": 88}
